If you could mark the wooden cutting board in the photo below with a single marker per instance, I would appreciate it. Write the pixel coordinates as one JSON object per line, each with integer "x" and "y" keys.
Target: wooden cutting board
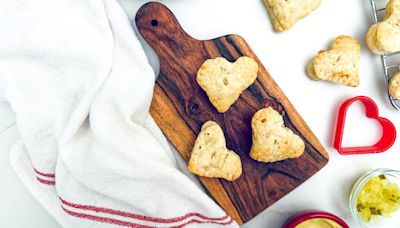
{"x": 180, "y": 107}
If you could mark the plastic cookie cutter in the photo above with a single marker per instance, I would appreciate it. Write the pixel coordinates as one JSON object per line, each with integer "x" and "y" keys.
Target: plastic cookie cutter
{"x": 371, "y": 110}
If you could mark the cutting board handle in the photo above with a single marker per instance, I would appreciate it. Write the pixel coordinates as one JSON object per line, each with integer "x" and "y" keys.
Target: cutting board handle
{"x": 160, "y": 28}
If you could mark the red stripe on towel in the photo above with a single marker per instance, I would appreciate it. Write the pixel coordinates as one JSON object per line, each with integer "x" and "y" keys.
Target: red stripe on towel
{"x": 140, "y": 217}
{"x": 204, "y": 222}
{"x": 47, "y": 182}
{"x": 51, "y": 175}
{"x": 209, "y": 220}
{"x": 131, "y": 224}
{"x": 104, "y": 220}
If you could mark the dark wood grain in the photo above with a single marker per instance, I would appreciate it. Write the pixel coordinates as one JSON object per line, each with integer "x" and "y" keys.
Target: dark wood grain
{"x": 180, "y": 107}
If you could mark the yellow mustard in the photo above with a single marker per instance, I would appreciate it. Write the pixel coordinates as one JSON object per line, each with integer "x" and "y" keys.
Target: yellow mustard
{"x": 319, "y": 223}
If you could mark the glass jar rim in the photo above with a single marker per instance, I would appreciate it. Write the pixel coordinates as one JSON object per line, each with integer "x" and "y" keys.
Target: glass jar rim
{"x": 357, "y": 187}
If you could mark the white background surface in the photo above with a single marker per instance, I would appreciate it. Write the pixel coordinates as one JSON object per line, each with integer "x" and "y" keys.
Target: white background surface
{"x": 285, "y": 55}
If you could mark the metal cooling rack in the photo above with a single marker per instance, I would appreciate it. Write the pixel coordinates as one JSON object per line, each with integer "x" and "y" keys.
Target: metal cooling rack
{"x": 390, "y": 62}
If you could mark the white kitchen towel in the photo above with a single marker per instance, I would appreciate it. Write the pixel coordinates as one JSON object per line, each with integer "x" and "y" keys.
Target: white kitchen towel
{"x": 80, "y": 85}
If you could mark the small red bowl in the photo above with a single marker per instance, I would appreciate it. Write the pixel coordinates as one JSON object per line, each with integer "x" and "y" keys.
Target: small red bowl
{"x": 298, "y": 218}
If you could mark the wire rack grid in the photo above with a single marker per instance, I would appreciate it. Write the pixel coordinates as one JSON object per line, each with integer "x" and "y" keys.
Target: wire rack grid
{"x": 390, "y": 62}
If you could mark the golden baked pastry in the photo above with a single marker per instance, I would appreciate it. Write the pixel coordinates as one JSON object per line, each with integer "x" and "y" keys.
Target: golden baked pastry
{"x": 285, "y": 13}
{"x": 394, "y": 86}
{"x": 211, "y": 158}
{"x": 224, "y": 81}
{"x": 384, "y": 37}
{"x": 339, "y": 64}
{"x": 272, "y": 141}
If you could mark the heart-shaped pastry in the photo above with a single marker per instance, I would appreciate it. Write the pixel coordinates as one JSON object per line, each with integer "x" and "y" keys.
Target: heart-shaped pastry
{"x": 285, "y": 13}
{"x": 339, "y": 64}
{"x": 384, "y": 37}
{"x": 272, "y": 141}
{"x": 224, "y": 81}
{"x": 211, "y": 158}
{"x": 394, "y": 86}
{"x": 371, "y": 110}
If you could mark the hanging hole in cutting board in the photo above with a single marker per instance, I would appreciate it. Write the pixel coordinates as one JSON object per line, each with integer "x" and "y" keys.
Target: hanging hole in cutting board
{"x": 360, "y": 130}
{"x": 154, "y": 22}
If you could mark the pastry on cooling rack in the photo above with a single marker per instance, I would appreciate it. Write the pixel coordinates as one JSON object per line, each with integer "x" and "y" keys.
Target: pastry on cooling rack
{"x": 211, "y": 158}
{"x": 272, "y": 141}
{"x": 284, "y": 14}
{"x": 394, "y": 86}
{"x": 384, "y": 37}
{"x": 224, "y": 81}
{"x": 339, "y": 64}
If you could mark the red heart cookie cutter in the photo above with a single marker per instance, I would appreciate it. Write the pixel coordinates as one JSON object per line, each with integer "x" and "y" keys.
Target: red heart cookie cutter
{"x": 371, "y": 110}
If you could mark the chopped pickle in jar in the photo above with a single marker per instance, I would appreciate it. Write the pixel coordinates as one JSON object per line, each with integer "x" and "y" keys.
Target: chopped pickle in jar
{"x": 379, "y": 197}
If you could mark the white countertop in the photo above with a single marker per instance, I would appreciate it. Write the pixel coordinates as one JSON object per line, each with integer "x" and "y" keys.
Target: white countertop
{"x": 285, "y": 55}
